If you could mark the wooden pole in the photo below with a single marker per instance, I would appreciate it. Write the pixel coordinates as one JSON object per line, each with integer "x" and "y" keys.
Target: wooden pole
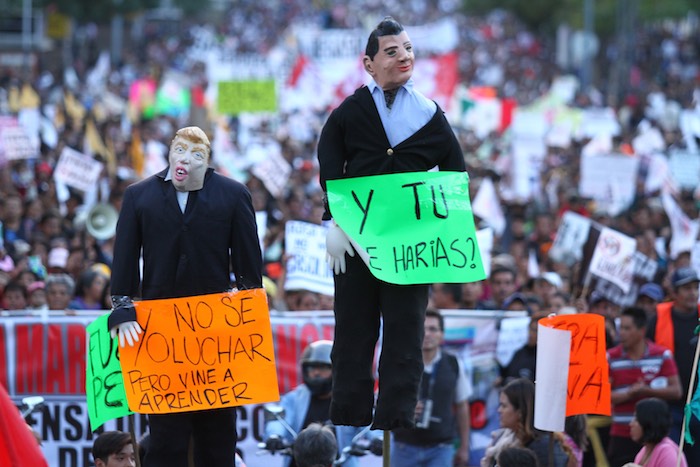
{"x": 688, "y": 398}
{"x": 386, "y": 451}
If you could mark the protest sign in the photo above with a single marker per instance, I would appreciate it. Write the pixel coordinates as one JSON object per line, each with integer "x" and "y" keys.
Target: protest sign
{"x": 77, "y": 170}
{"x": 609, "y": 180}
{"x": 613, "y": 258}
{"x": 15, "y": 143}
{"x": 588, "y": 388}
{"x": 552, "y": 376}
{"x": 413, "y": 228}
{"x": 235, "y": 97}
{"x": 643, "y": 271}
{"x": 201, "y": 352}
{"x": 571, "y": 236}
{"x": 104, "y": 388}
{"x": 305, "y": 248}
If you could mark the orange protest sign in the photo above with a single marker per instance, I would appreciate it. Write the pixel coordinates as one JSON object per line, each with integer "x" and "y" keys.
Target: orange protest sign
{"x": 201, "y": 352}
{"x": 588, "y": 388}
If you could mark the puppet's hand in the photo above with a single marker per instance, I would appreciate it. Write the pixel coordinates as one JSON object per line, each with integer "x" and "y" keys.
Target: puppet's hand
{"x": 128, "y": 331}
{"x": 337, "y": 244}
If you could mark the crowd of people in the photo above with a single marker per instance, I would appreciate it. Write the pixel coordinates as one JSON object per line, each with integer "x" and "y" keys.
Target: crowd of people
{"x": 50, "y": 261}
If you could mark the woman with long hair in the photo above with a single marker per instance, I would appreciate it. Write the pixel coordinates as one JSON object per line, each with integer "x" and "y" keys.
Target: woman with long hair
{"x": 516, "y": 410}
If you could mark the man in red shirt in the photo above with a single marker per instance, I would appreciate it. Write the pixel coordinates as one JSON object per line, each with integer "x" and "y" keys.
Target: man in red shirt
{"x": 639, "y": 369}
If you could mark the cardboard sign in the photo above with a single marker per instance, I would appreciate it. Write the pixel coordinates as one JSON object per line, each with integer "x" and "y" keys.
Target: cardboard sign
{"x": 77, "y": 170}
{"x": 588, "y": 388}
{"x": 104, "y": 386}
{"x": 413, "y": 228}
{"x": 202, "y": 352}
{"x": 235, "y": 97}
{"x": 305, "y": 248}
{"x": 613, "y": 258}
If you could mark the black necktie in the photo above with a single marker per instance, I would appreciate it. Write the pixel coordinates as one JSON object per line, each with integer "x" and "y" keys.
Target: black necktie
{"x": 389, "y": 96}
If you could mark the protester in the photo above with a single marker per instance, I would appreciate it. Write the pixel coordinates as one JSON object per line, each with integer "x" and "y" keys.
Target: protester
{"x": 315, "y": 447}
{"x": 638, "y": 369}
{"x": 674, "y": 328}
{"x": 442, "y": 433}
{"x": 650, "y": 426}
{"x": 114, "y": 449}
{"x": 516, "y": 410}
{"x": 494, "y": 52}
{"x": 309, "y": 403}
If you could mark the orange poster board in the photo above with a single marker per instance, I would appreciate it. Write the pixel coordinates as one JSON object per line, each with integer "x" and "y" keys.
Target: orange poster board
{"x": 202, "y": 352}
{"x": 588, "y": 388}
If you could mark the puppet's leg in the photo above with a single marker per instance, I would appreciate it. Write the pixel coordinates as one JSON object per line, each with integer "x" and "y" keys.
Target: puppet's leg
{"x": 356, "y": 333}
{"x": 401, "y": 362}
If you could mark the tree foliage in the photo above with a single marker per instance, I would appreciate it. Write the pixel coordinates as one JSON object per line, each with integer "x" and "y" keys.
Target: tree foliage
{"x": 545, "y": 15}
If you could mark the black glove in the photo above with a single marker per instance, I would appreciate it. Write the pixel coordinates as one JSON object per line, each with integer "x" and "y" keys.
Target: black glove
{"x": 123, "y": 310}
{"x": 274, "y": 443}
{"x": 376, "y": 447}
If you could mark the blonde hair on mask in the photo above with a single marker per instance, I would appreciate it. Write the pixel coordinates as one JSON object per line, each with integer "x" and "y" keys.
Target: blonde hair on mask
{"x": 195, "y": 135}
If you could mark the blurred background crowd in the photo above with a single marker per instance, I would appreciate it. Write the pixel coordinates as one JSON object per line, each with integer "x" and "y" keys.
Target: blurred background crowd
{"x": 88, "y": 104}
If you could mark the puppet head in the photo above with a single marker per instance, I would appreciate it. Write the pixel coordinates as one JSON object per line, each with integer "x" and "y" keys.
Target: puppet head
{"x": 189, "y": 158}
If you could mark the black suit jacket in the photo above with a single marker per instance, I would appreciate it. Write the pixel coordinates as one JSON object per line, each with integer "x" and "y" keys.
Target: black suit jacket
{"x": 190, "y": 253}
{"x": 353, "y": 143}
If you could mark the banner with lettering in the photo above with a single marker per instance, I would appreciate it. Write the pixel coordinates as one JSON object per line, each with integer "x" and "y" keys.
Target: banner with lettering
{"x": 77, "y": 170}
{"x": 105, "y": 387}
{"x": 47, "y": 357}
{"x": 201, "y": 352}
{"x": 305, "y": 249}
{"x": 411, "y": 228}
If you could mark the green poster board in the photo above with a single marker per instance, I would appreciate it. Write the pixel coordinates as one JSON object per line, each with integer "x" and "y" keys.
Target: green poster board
{"x": 411, "y": 228}
{"x": 104, "y": 385}
{"x": 235, "y": 97}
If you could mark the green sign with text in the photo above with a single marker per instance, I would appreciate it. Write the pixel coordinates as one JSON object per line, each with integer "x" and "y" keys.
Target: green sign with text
{"x": 411, "y": 228}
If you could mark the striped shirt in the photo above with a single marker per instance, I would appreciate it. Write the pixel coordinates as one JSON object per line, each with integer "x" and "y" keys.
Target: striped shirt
{"x": 656, "y": 364}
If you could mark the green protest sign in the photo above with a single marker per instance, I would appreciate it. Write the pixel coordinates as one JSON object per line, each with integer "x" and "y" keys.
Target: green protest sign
{"x": 104, "y": 385}
{"x": 411, "y": 228}
{"x": 235, "y": 97}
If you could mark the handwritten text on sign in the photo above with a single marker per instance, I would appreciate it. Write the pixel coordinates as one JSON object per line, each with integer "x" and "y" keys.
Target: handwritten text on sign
{"x": 588, "y": 390}
{"x": 104, "y": 387}
{"x": 416, "y": 228}
{"x": 201, "y": 352}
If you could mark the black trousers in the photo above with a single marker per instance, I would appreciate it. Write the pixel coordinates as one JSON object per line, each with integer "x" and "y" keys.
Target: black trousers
{"x": 213, "y": 433}
{"x": 360, "y": 301}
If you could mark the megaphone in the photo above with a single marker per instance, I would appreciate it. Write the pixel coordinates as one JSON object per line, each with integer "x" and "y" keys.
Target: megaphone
{"x": 101, "y": 221}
